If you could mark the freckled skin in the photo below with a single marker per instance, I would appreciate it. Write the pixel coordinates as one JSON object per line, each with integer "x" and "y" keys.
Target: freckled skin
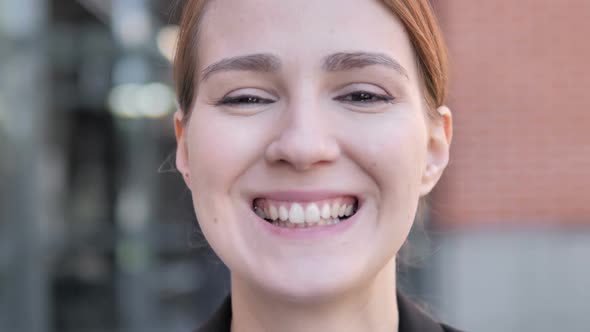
{"x": 306, "y": 139}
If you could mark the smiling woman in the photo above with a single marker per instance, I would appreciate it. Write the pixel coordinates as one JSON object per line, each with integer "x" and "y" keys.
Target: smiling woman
{"x": 307, "y": 133}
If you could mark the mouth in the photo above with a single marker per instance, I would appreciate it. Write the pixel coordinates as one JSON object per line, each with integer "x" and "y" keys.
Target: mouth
{"x": 288, "y": 214}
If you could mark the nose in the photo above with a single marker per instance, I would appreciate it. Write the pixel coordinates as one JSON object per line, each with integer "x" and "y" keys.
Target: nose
{"x": 305, "y": 139}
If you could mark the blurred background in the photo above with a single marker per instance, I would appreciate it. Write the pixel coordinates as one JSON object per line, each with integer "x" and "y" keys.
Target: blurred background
{"x": 97, "y": 231}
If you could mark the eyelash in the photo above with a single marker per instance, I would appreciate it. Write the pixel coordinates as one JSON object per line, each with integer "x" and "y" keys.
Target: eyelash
{"x": 373, "y": 98}
{"x": 244, "y": 100}
{"x": 255, "y": 100}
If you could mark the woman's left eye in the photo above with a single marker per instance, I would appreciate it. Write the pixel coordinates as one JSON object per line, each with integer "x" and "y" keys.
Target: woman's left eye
{"x": 364, "y": 97}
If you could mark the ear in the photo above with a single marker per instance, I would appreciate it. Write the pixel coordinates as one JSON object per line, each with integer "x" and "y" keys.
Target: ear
{"x": 181, "y": 147}
{"x": 440, "y": 137}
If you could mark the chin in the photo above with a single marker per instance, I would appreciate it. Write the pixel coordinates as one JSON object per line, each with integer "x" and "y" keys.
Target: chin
{"x": 309, "y": 282}
{"x": 306, "y": 291}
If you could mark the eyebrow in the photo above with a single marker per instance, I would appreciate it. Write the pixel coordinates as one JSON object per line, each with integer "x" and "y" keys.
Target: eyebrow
{"x": 342, "y": 61}
{"x": 353, "y": 60}
{"x": 253, "y": 62}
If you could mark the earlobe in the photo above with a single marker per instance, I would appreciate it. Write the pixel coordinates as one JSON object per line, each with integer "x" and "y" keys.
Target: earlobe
{"x": 181, "y": 148}
{"x": 440, "y": 137}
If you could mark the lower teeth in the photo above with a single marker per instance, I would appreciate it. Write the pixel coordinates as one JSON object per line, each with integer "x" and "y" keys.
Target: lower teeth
{"x": 323, "y": 222}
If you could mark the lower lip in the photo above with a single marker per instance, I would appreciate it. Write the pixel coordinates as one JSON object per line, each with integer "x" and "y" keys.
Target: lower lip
{"x": 307, "y": 232}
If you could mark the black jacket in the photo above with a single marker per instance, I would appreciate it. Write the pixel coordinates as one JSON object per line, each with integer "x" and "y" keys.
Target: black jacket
{"x": 411, "y": 319}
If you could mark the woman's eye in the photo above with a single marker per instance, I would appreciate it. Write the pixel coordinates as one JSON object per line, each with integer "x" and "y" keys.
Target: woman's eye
{"x": 245, "y": 100}
{"x": 363, "y": 97}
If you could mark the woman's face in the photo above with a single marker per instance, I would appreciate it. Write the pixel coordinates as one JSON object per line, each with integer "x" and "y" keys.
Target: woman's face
{"x": 310, "y": 113}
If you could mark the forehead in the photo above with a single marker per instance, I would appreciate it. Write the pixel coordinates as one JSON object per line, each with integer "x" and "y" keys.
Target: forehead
{"x": 301, "y": 31}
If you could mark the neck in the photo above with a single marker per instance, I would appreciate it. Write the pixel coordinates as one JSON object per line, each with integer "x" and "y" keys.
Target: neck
{"x": 372, "y": 307}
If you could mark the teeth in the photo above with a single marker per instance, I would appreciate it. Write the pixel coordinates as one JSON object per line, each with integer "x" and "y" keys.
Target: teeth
{"x": 267, "y": 212}
{"x": 348, "y": 211}
{"x": 312, "y": 213}
{"x": 283, "y": 213}
{"x": 326, "y": 211}
{"x": 335, "y": 209}
{"x": 296, "y": 214}
{"x": 342, "y": 210}
{"x": 274, "y": 214}
{"x": 260, "y": 212}
{"x": 321, "y": 222}
{"x": 293, "y": 214}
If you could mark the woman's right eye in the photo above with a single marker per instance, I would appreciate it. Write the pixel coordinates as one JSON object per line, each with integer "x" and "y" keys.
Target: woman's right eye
{"x": 245, "y": 100}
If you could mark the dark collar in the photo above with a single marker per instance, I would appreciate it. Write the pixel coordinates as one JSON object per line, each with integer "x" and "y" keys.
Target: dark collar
{"x": 411, "y": 318}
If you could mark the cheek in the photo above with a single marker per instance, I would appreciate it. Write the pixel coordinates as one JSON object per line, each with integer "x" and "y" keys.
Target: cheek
{"x": 398, "y": 168}
{"x": 221, "y": 147}
{"x": 393, "y": 151}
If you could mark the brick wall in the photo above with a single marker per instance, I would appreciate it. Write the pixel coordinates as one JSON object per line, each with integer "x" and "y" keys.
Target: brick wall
{"x": 521, "y": 102}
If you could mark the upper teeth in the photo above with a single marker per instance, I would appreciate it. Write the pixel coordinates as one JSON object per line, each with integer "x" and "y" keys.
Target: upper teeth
{"x": 299, "y": 213}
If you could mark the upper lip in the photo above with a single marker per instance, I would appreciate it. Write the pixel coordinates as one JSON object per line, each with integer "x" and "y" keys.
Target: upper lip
{"x": 302, "y": 195}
